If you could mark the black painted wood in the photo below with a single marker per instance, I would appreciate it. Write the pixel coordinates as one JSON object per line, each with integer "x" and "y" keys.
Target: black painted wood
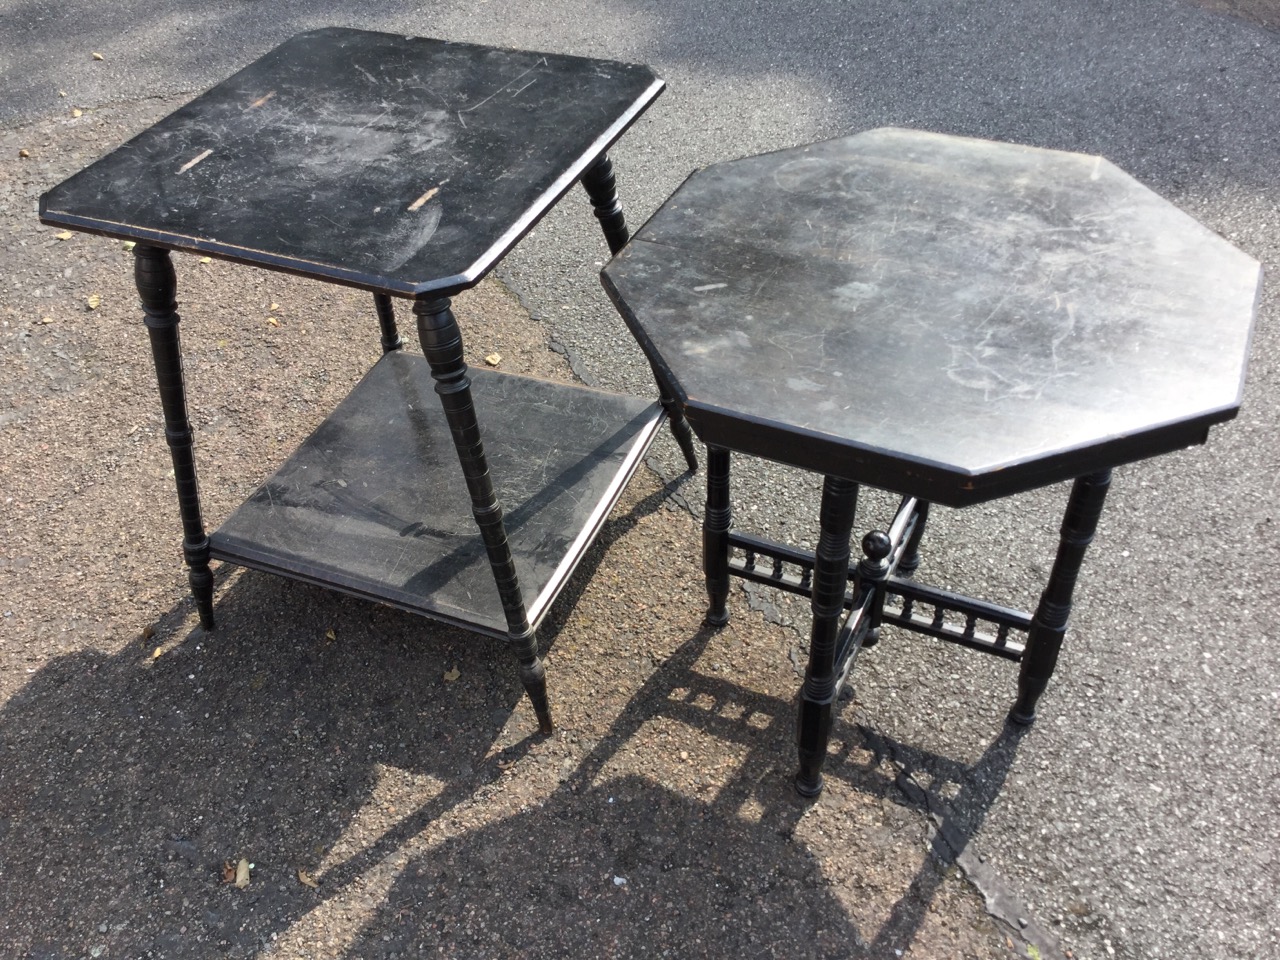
{"x": 158, "y": 290}
{"x": 601, "y": 187}
{"x": 717, "y": 518}
{"x": 403, "y": 165}
{"x": 918, "y": 607}
{"x": 1049, "y": 625}
{"x": 373, "y": 502}
{"x": 819, "y": 691}
{"x": 956, "y": 320}
{"x": 873, "y": 571}
{"x": 948, "y": 318}
{"x": 442, "y": 345}
{"x": 911, "y": 554}
{"x": 387, "y": 323}
{"x": 406, "y": 166}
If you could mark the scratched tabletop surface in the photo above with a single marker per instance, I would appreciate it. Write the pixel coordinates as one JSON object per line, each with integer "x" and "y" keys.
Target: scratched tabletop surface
{"x": 399, "y": 164}
{"x": 940, "y": 316}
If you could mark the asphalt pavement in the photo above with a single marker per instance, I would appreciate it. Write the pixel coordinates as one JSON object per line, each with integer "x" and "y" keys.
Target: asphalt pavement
{"x": 1145, "y": 800}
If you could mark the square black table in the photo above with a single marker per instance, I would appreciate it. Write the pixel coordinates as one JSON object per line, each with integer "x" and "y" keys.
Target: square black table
{"x": 953, "y": 320}
{"x": 407, "y": 167}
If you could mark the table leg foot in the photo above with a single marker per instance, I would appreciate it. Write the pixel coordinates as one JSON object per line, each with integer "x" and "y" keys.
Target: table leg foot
{"x": 533, "y": 677}
{"x": 1049, "y": 624}
{"x": 809, "y": 784}
{"x": 681, "y": 430}
{"x": 830, "y": 578}
{"x": 716, "y": 520}
{"x": 201, "y": 579}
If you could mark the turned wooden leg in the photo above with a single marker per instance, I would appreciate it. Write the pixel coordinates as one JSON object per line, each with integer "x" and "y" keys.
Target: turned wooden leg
{"x": 1049, "y": 624}
{"x": 601, "y": 187}
{"x": 716, "y": 520}
{"x": 910, "y": 561}
{"x": 830, "y": 577}
{"x": 387, "y": 321}
{"x": 158, "y": 289}
{"x": 442, "y": 345}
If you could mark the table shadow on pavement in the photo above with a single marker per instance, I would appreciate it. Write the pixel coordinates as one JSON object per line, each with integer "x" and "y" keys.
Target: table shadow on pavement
{"x": 127, "y": 782}
{"x": 624, "y": 865}
{"x": 131, "y": 780}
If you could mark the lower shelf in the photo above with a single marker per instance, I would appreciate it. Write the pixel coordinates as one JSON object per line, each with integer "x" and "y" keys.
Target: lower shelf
{"x": 374, "y": 502}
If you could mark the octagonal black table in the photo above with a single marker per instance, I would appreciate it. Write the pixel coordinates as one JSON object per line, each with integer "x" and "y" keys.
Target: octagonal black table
{"x": 954, "y": 320}
{"x": 407, "y": 167}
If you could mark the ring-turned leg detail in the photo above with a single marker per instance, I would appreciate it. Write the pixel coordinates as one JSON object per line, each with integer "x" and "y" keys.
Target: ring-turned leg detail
{"x": 158, "y": 288}
{"x": 716, "y": 520}
{"x": 442, "y": 345}
{"x": 602, "y": 188}
{"x": 830, "y": 579}
{"x": 1049, "y": 624}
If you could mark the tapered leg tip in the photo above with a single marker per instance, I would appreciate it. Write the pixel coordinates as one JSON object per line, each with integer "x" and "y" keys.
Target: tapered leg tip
{"x": 808, "y": 788}
{"x": 714, "y": 619}
{"x": 1022, "y": 717}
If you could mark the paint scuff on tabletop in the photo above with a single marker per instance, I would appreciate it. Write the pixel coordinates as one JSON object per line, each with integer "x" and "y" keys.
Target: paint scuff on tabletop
{"x": 194, "y": 160}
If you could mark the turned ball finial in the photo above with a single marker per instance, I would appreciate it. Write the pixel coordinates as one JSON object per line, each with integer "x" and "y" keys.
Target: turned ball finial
{"x": 876, "y": 545}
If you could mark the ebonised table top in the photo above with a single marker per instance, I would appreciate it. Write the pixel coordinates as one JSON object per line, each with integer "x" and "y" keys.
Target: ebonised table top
{"x": 403, "y": 165}
{"x": 949, "y": 318}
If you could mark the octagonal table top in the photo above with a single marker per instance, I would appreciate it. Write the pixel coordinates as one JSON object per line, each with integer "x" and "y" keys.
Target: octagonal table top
{"x": 404, "y": 165}
{"x": 945, "y": 317}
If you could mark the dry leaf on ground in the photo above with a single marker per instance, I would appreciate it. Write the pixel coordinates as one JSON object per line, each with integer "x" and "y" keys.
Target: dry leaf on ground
{"x": 452, "y": 675}
{"x": 242, "y": 874}
{"x": 307, "y": 880}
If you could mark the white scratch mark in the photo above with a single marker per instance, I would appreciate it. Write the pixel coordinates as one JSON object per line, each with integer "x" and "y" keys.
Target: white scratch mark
{"x": 709, "y": 286}
{"x": 417, "y": 204}
{"x": 524, "y": 88}
{"x": 194, "y": 160}
{"x": 367, "y": 74}
{"x": 1096, "y": 172}
{"x": 375, "y": 119}
{"x": 541, "y": 62}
